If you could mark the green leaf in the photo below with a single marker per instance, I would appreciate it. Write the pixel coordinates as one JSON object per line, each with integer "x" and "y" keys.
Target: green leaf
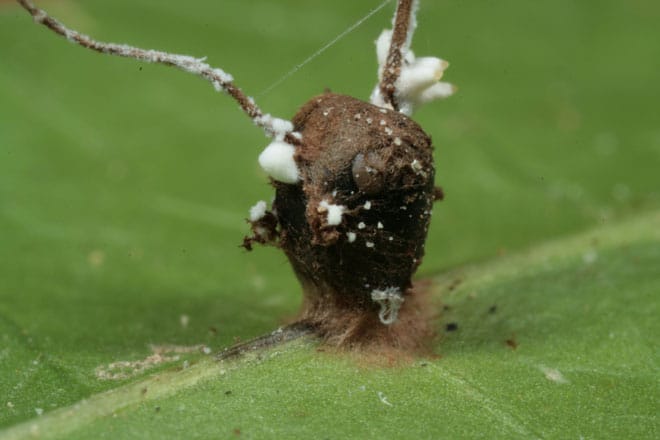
{"x": 556, "y": 342}
{"x": 123, "y": 188}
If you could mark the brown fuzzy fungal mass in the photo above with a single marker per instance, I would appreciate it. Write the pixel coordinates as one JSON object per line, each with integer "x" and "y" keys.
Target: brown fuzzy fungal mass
{"x": 377, "y": 165}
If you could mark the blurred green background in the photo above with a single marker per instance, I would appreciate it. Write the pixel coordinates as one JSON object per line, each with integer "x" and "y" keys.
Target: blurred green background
{"x": 123, "y": 186}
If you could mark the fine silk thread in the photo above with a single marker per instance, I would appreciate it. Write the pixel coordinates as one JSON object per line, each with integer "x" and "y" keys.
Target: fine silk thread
{"x": 323, "y": 49}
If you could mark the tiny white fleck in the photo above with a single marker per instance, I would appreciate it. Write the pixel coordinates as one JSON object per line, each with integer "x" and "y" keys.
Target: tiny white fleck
{"x": 369, "y": 120}
{"x": 383, "y": 399}
{"x": 389, "y": 131}
{"x": 383, "y": 122}
{"x": 10, "y": 405}
{"x": 391, "y": 238}
{"x": 367, "y": 205}
{"x": 184, "y": 320}
{"x": 553, "y": 375}
{"x": 39, "y": 411}
{"x": 334, "y": 212}
{"x": 258, "y": 211}
{"x": 382, "y": 110}
{"x": 206, "y": 350}
{"x": 361, "y": 225}
{"x": 369, "y": 244}
{"x": 351, "y": 236}
{"x": 380, "y": 225}
{"x": 404, "y": 207}
{"x": 397, "y": 141}
{"x": 357, "y": 116}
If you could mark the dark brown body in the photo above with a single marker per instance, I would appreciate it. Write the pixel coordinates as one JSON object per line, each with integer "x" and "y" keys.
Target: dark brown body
{"x": 356, "y": 154}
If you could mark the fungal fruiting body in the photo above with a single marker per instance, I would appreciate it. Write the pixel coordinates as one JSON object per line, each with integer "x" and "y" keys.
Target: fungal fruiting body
{"x": 354, "y": 187}
{"x": 358, "y": 263}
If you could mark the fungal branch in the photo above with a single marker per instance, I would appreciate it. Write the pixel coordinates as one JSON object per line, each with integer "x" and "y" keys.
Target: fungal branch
{"x": 279, "y": 129}
{"x": 406, "y": 82}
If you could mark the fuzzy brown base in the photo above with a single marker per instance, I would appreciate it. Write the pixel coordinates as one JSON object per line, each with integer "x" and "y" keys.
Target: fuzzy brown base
{"x": 352, "y": 329}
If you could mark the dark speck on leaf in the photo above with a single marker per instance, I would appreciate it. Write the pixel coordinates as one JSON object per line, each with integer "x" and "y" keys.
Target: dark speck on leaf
{"x": 492, "y": 309}
{"x": 452, "y": 327}
{"x": 228, "y": 393}
{"x": 512, "y": 343}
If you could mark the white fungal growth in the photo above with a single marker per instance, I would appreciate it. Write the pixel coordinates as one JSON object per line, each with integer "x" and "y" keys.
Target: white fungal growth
{"x": 419, "y": 80}
{"x": 370, "y": 244}
{"x": 389, "y": 300}
{"x": 276, "y": 127}
{"x": 258, "y": 211}
{"x": 361, "y": 225}
{"x": 278, "y": 162}
{"x": 334, "y": 212}
{"x": 367, "y": 205}
{"x": 380, "y": 225}
{"x": 351, "y": 236}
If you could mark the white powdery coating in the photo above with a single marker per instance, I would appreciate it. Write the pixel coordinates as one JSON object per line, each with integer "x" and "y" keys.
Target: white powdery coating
{"x": 258, "y": 211}
{"x": 390, "y": 301}
{"x": 438, "y": 90}
{"x": 383, "y": 46}
{"x": 278, "y": 162}
{"x": 335, "y": 212}
{"x": 276, "y": 127}
{"x": 420, "y": 74}
{"x": 417, "y": 83}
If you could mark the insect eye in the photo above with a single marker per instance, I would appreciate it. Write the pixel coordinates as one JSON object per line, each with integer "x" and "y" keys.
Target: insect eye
{"x": 368, "y": 172}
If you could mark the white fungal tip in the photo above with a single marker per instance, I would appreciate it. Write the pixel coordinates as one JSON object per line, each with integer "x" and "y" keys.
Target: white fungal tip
{"x": 334, "y": 212}
{"x": 367, "y": 205}
{"x": 258, "y": 211}
{"x": 390, "y": 300}
{"x": 351, "y": 236}
{"x": 422, "y": 73}
{"x": 417, "y": 82}
{"x": 361, "y": 225}
{"x": 278, "y": 162}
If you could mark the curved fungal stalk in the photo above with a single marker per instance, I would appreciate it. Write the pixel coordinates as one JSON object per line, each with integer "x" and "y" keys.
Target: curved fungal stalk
{"x": 276, "y": 128}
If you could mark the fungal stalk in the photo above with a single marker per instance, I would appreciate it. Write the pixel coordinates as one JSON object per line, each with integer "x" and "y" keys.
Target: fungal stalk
{"x": 280, "y": 130}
